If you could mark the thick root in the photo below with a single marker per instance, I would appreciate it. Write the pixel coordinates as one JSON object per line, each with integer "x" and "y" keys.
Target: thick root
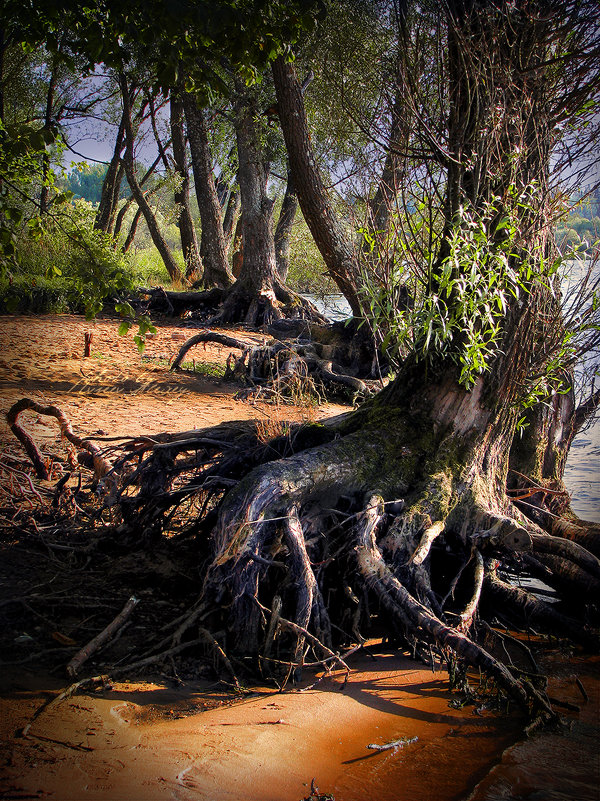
{"x": 89, "y": 451}
{"x": 398, "y": 602}
{"x": 277, "y": 365}
{"x": 527, "y": 610}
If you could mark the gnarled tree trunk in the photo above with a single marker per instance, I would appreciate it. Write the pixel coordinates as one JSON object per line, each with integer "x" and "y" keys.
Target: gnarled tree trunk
{"x": 258, "y": 296}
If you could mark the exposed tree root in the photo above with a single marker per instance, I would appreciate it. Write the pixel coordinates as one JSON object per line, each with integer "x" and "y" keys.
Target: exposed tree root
{"x": 277, "y": 365}
{"x": 100, "y": 466}
{"x": 331, "y": 534}
{"x": 234, "y": 304}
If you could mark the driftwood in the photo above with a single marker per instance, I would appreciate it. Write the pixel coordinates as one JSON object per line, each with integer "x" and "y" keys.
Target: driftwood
{"x": 393, "y": 744}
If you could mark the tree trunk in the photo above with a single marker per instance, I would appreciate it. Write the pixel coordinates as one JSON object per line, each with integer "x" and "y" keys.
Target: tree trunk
{"x": 283, "y": 231}
{"x": 259, "y": 267}
{"x": 131, "y": 199}
{"x": 237, "y": 258}
{"x": 212, "y": 244}
{"x": 258, "y": 296}
{"x": 128, "y": 160}
{"x": 189, "y": 244}
{"x": 111, "y": 186}
{"x": 333, "y": 244}
{"x": 45, "y": 190}
{"x": 129, "y": 239}
{"x": 231, "y": 216}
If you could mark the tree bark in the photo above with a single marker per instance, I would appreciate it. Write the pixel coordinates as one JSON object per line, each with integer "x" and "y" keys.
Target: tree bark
{"x": 327, "y": 231}
{"x": 231, "y": 216}
{"x": 212, "y": 244}
{"x": 283, "y": 231}
{"x": 128, "y": 160}
{"x": 112, "y": 184}
{"x": 189, "y": 244}
{"x": 259, "y": 267}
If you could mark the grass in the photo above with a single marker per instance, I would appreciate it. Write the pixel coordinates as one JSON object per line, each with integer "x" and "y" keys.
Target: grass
{"x": 208, "y": 369}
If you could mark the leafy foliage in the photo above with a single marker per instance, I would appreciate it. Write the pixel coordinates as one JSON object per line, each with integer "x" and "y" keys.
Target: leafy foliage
{"x": 459, "y": 307}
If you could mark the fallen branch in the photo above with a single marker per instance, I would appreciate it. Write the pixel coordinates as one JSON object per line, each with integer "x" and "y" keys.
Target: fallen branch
{"x": 98, "y": 641}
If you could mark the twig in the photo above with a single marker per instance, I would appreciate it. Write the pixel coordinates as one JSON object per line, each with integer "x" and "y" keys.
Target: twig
{"x": 208, "y": 637}
{"x": 393, "y": 744}
{"x": 582, "y": 689}
{"x": 73, "y": 688}
{"x": 84, "y": 654}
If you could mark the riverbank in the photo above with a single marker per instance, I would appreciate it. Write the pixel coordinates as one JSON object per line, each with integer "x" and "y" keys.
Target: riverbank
{"x": 165, "y": 739}
{"x": 154, "y": 741}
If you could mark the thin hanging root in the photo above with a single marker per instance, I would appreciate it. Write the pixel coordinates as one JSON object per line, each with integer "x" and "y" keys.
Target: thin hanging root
{"x": 401, "y": 605}
{"x": 310, "y": 601}
{"x": 98, "y": 641}
{"x": 101, "y": 466}
{"x": 314, "y": 641}
{"x": 466, "y": 616}
{"x": 302, "y": 573}
{"x": 208, "y": 637}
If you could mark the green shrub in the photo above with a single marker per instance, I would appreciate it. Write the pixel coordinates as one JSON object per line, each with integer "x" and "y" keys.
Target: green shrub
{"x": 38, "y": 295}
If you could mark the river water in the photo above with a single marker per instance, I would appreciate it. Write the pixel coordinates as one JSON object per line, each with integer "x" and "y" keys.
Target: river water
{"x": 582, "y": 474}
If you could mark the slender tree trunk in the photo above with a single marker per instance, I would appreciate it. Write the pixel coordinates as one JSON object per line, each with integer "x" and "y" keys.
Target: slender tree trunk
{"x": 132, "y": 230}
{"x": 231, "y": 215}
{"x": 111, "y": 186}
{"x": 128, "y": 160}
{"x": 222, "y": 185}
{"x": 212, "y": 244}
{"x": 45, "y": 190}
{"x": 337, "y": 251}
{"x": 283, "y": 231}
{"x": 238, "y": 254}
{"x": 189, "y": 244}
{"x": 127, "y": 205}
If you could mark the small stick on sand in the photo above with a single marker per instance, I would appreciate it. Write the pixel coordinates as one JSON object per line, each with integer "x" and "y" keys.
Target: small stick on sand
{"x": 393, "y": 744}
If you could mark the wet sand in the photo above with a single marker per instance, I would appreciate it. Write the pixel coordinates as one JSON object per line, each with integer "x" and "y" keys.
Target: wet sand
{"x": 140, "y": 742}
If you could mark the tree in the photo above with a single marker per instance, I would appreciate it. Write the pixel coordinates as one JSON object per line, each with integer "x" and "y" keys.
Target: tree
{"x": 187, "y": 230}
{"x": 129, "y": 164}
{"x": 406, "y": 508}
{"x": 421, "y": 471}
{"x": 216, "y": 270}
